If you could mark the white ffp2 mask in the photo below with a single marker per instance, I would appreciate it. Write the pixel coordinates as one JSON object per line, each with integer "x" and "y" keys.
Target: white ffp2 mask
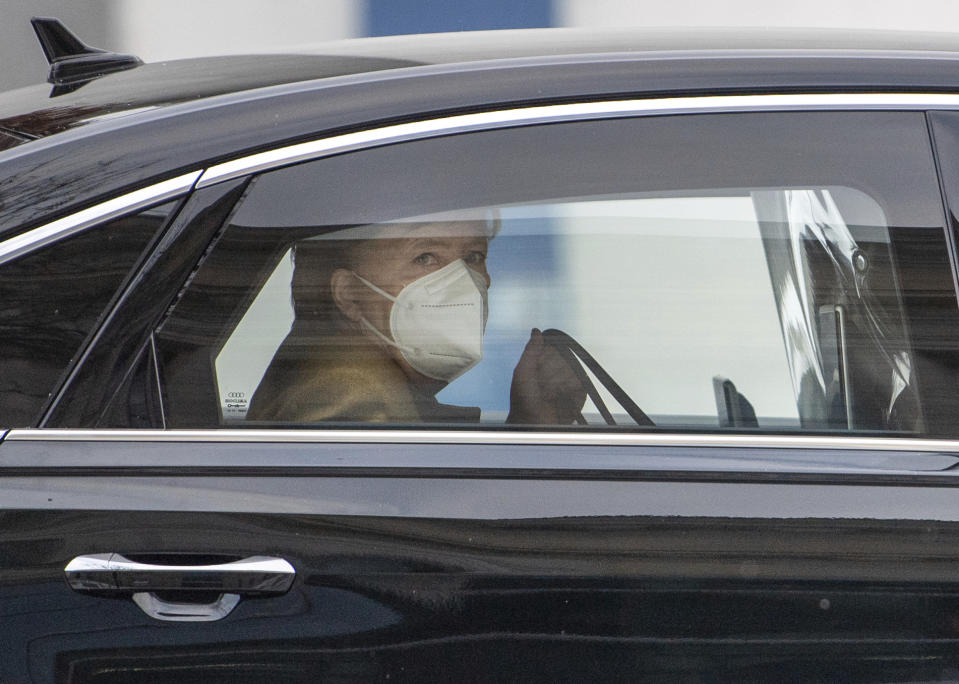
{"x": 437, "y": 321}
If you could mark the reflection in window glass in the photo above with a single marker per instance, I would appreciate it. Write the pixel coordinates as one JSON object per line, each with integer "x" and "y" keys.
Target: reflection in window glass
{"x": 605, "y": 274}
{"x": 665, "y": 293}
{"x": 759, "y": 308}
{"x": 50, "y": 301}
{"x": 242, "y": 362}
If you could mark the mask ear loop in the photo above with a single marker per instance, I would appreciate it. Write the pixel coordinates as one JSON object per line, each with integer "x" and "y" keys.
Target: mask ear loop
{"x": 373, "y": 287}
{"x": 372, "y": 328}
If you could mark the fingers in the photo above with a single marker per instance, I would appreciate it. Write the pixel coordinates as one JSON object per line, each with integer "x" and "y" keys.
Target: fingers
{"x": 535, "y": 345}
{"x": 545, "y": 390}
{"x": 529, "y": 360}
{"x": 559, "y": 380}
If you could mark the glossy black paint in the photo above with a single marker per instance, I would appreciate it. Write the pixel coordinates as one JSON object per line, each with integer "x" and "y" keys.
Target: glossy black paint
{"x": 183, "y": 80}
{"x": 9, "y": 139}
{"x": 73, "y": 63}
{"x": 526, "y": 600}
{"x": 449, "y": 562}
{"x": 944, "y": 129}
{"x": 104, "y": 158}
{"x": 87, "y": 396}
{"x": 57, "y": 296}
{"x": 462, "y": 480}
{"x": 39, "y": 111}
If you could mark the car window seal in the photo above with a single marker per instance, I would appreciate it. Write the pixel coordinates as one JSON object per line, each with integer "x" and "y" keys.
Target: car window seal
{"x": 575, "y": 111}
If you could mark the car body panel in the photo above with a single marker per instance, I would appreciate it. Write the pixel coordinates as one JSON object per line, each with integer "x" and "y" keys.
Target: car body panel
{"x": 477, "y": 555}
{"x": 533, "y": 598}
{"x": 103, "y": 158}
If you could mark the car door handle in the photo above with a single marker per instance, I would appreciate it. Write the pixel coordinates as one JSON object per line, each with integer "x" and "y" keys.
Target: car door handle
{"x": 112, "y": 573}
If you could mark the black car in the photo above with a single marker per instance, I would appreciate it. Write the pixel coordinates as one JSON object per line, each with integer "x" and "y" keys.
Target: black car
{"x": 523, "y": 356}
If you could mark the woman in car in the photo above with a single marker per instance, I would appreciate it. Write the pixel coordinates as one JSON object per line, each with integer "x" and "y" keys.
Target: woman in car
{"x": 388, "y": 318}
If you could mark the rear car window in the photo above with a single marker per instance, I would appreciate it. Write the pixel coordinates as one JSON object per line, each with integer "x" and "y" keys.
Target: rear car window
{"x": 749, "y": 272}
{"x": 9, "y": 140}
{"x": 51, "y": 300}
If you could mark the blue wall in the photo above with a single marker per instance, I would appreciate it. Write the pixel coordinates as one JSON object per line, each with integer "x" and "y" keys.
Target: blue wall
{"x": 395, "y": 17}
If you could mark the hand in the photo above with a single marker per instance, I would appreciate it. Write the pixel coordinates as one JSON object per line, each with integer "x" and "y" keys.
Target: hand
{"x": 545, "y": 390}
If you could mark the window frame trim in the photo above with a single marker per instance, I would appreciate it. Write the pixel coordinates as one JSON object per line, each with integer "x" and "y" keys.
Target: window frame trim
{"x": 367, "y": 138}
{"x": 776, "y": 459}
{"x": 72, "y": 224}
{"x": 426, "y": 128}
{"x": 487, "y": 437}
{"x": 578, "y": 111}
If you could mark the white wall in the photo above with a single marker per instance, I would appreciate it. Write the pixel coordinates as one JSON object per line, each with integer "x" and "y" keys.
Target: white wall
{"x": 915, "y": 15}
{"x": 181, "y": 28}
{"x": 157, "y": 31}
{"x": 21, "y": 58}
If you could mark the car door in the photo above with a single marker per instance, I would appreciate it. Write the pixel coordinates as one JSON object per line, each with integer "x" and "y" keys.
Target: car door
{"x": 758, "y": 309}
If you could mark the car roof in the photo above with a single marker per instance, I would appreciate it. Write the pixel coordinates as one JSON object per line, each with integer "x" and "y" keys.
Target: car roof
{"x": 42, "y": 110}
{"x": 72, "y": 149}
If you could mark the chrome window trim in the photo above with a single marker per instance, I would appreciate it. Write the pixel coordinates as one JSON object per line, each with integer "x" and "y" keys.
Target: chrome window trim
{"x": 505, "y": 118}
{"x": 62, "y": 228}
{"x": 422, "y": 129}
{"x": 41, "y": 236}
{"x": 501, "y": 437}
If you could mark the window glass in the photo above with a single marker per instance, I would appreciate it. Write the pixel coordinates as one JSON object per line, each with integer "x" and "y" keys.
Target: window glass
{"x": 8, "y": 141}
{"x": 683, "y": 273}
{"x": 51, "y": 300}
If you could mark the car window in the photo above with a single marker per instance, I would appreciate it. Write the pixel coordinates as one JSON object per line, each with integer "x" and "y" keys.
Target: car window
{"x": 738, "y": 272}
{"x": 51, "y": 300}
{"x": 7, "y": 140}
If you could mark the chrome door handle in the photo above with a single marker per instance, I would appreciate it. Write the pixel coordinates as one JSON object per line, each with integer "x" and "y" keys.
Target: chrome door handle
{"x": 111, "y": 573}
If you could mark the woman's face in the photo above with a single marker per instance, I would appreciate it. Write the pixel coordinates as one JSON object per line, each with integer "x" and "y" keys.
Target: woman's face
{"x": 404, "y": 255}
{"x": 392, "y": 263}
